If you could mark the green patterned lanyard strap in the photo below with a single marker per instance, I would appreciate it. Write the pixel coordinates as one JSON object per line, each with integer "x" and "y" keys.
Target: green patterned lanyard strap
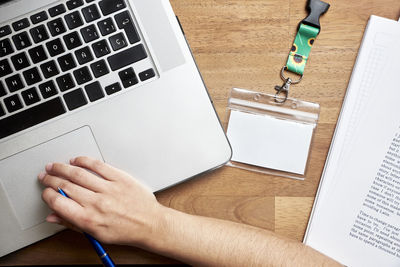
{"x": 301, "y": 48}
{"x": 308, "y": 31}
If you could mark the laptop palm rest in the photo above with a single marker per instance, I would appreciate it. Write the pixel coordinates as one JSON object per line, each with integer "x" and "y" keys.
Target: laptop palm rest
{"x": 160, "y": 33}
{"x": 19, "y": 183}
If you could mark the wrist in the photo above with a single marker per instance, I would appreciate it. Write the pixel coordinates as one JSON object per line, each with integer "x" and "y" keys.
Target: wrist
{"x": 159, "y": 229}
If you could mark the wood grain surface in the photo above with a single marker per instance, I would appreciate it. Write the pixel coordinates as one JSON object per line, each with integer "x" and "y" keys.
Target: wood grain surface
{"x": 245, "y": 43}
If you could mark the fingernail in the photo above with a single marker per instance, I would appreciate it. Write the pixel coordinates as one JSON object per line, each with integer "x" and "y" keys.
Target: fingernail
{"x": 53, "y": 219}
{"x": 41, "y": 175}
{"x": 72, "y": 161}
{"x": 49, "y": 167}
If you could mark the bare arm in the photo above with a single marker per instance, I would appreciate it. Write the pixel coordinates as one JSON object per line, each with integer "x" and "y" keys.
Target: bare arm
{"x": 207, "y": 241}
{"x": 117, "y": 209}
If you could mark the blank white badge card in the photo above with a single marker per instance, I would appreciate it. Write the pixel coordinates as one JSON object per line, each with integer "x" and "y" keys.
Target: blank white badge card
{"x": 269, "y": 142}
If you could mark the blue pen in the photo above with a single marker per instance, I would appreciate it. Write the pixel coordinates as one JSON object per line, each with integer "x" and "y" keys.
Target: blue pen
{"x": 105, "y": 258}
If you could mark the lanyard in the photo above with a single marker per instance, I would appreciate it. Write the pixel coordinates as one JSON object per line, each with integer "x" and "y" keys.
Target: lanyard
{"x": 308, "y": 31}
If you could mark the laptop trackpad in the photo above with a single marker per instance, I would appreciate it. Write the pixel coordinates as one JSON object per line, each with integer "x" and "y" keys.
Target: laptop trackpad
{"x": 19, "y": 172}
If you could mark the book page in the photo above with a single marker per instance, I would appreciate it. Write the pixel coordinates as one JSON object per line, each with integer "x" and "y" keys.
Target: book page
{"x": 371, "y": 64}
{"x": 358, "y": 223}
{"x": 378, "y": 223}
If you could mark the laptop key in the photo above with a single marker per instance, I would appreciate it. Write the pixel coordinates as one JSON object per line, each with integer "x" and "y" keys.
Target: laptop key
{"x": 113, "y": 88}
{"x": 89, "y": 33}
{"x": 5, "y": 68}
{"x": 55, "y": 47}
{"x": 101, "y": 48}
{"x": 72, "y": 40}
{"x": 48, "y": 89}
{"x": 14, "y": 83}
{"x": 75, "y": 99}
{"x": 65, "y": 82}
{"x": 5, "y": 48}
{"x": 2, "y": 112}
{"x": 57, "y": 10}
{"x": 91, "y": 13}
{"x": 20, "y": 61}
{"x": 128, "y": 77}
{"x": 118, "y": 41}
{"x": 32, "y": 76}
{"x": 127, "y": 57}
{"x": 99, "y": 68}
{"x": 13, "y": 103}
{"x": 30, "y": 96}
{"x": 21, "y": 41}
{"x": 111, "y": 6}
{"x": 94, "y": 91}
{"x": 37, "y": 54}
{"x": 21, "y": 24}
{"x": 125, "y": 22}
{"x": 56, "y": 27}
{"x": 74, "y": 4}
{"x": 3, "y": 91}
{"x": 66, "y": 62}
{"x": 82, "y": 75}
{"x": 106, "y": 26}
{"x": 49, "y": 69}
{"x": 74, "y": 20}
{"x": 39, "y": 17}
{"x": 31, "y": 117}
{"x": 5, "y": 30}
{"x": 39, "y": 34}
{"x": 147, "y": 74}
{"x": 84, "y": 55}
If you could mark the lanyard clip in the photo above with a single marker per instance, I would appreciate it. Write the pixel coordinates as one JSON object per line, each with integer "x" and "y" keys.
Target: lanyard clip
{"x": 284, "y": 89}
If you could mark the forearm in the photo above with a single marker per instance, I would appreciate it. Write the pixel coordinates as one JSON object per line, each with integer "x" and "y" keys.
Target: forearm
{"x": 206, "y": 241}
{"x": 115, "y": 208}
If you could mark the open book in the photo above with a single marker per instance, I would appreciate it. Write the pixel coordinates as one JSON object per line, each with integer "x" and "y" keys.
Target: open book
{"x": 356, "y": 215}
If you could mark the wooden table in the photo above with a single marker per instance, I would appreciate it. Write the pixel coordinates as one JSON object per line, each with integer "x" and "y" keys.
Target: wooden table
{"x": 244, "y": 43}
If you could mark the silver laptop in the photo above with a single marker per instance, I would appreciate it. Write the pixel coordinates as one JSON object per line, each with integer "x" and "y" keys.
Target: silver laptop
{"x": 110, "y": 79}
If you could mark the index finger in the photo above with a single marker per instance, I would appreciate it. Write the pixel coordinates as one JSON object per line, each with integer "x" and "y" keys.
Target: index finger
{"x": 77, "y": 176}
{"x": 99, "y": 167}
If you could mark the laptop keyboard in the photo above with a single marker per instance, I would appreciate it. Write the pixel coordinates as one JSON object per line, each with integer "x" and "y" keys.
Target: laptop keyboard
{"x": 68, "y": 56}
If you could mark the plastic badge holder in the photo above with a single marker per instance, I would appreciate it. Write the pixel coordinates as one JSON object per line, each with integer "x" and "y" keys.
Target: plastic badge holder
{"x": 270, "y": 137}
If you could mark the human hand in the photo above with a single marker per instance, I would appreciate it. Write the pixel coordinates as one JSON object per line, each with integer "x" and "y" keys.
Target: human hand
{"x": 113, "y": 207}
